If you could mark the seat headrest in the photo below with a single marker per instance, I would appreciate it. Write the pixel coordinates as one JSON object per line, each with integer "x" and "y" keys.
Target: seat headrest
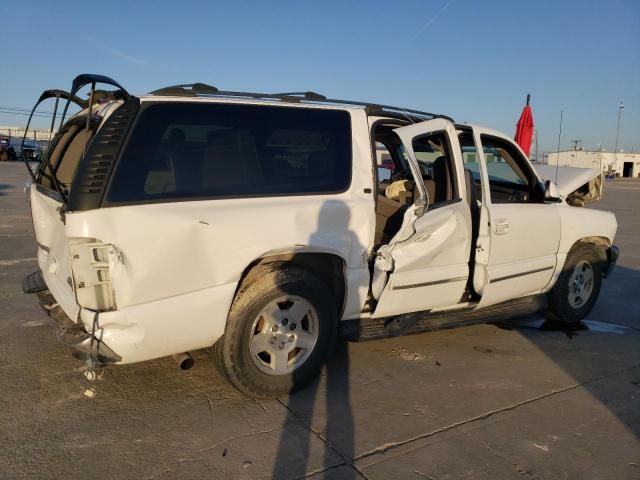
{"x": 221, "y": 139}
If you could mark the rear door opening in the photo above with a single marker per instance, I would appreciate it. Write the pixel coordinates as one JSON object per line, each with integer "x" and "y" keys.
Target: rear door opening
{"x": 52, "y": 184}
{"x": 48, "y": 200}
{"x": 426, "y": 263}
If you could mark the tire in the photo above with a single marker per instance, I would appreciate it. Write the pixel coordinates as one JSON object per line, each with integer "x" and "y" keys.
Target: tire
{"x": 281, "y": 328}
{"x": 578, "y": 286}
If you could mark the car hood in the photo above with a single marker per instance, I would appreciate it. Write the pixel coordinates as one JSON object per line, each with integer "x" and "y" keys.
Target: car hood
{"x": 577, "y": 185}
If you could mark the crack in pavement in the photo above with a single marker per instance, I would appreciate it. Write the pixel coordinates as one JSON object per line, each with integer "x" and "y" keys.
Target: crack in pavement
{"x": 193, "y": 457}
{"x": 345, "y": 460}
{"x": 390, "y": 446}
{"x": 519, "y": 468}
{"x": 424, "y": 475}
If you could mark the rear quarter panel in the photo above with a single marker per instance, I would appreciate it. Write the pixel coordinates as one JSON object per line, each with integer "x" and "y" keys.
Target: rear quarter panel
{"x": 170, "y": 249}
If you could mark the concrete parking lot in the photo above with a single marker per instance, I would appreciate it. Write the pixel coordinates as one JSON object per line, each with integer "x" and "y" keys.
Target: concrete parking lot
{"x": 516, "y": 400}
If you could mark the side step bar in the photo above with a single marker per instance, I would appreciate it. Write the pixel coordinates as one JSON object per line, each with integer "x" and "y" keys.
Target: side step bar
{"x": 419, "y": 322}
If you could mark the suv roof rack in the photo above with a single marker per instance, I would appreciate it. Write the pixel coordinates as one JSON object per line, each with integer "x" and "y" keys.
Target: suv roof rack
{"x": 202, "y": 89}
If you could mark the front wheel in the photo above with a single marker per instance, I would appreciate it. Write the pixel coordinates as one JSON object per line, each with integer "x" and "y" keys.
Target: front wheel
{"x": 576, "y": 291}
{"x": 280, "y": 331}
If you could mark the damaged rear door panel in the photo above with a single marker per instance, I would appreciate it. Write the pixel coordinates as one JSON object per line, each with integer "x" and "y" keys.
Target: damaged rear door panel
{"x": 426, "y": 264}
{"x": 63, "y": 259}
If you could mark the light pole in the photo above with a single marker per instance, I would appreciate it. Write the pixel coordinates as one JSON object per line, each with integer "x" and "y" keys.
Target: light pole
{"x": 615, "y": 152}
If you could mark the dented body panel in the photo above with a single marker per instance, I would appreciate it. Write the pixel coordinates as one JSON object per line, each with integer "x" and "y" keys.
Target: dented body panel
{"x": 578, "y": 185}
{"x": 157, "y": 278}
{"x": 166, "y": 273}
{"x": 53, "y": 248}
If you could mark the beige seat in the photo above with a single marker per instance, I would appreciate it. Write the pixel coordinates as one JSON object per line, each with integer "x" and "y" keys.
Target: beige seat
{"x": 230, "y": 158}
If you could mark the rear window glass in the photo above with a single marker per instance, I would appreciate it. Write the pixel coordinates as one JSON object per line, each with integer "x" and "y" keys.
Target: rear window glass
{"x": 186, "y": 150}
{"x": 67, "y": 150}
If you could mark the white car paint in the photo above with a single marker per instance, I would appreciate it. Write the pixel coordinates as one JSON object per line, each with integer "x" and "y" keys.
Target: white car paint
{"x": 175, "y": 267}
{"x": 568, "y": 179}
{"x": 506, "y": 231}
{"x": 430, "y": 254}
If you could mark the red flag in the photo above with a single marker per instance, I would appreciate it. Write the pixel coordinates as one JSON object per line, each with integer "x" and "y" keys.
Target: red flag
{"x": 524, "y": 128}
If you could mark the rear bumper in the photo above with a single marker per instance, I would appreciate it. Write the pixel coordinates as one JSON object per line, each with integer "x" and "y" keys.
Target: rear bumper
{"x": 70, "y": 333}
{"x": 612, "y": 257}
{"x": 83, "y": 343}
{"x": 145, "y": 331}
{"x": 166, "y": 326}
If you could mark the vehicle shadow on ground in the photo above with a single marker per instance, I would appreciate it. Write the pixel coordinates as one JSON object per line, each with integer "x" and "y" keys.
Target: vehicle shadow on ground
{"x": 4, "y": 187}
{"x": 334, "y": 217}
{"x": 601, "y": 353}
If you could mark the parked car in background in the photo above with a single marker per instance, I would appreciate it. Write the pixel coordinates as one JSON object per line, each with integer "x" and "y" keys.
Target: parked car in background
{"x": 260, "y": 224}
{"x": 31, "y": 150}
{"x": 7, "y": 152}
{"x": 12, "y": 146}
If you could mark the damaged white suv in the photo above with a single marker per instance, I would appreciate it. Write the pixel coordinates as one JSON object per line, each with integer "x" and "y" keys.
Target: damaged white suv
{"x": 263, "y": 225}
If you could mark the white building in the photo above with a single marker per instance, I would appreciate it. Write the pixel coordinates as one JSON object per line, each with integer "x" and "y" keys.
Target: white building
{"x": 18, "y": 132}
{"x": 620, "y": 164}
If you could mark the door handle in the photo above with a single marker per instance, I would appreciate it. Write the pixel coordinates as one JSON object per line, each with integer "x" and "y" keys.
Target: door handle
{"x": 501, "y": 226}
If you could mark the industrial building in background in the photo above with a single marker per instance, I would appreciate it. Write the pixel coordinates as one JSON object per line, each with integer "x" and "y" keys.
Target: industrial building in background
{"x": 619, "y": 164}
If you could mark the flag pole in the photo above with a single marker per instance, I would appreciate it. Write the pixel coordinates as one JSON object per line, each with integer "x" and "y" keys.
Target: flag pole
{"x": 558, "y": 152}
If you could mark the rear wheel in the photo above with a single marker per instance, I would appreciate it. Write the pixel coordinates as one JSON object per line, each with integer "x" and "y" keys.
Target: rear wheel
{"x": 281, "y": 328}
{"x": 578, "y": 286}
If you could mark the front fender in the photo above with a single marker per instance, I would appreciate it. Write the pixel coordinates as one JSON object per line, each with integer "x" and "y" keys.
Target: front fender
{"x": 584, "y": 224}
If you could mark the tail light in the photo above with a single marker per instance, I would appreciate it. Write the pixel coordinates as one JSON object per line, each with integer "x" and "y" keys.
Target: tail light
{"x": 92, "y": 264}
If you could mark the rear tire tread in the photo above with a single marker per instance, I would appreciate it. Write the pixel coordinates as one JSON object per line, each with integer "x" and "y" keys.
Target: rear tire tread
{"x": 230, "y": 353}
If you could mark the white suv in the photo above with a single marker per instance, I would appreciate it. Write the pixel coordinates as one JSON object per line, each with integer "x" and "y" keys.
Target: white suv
{"x": 263, "y": 225}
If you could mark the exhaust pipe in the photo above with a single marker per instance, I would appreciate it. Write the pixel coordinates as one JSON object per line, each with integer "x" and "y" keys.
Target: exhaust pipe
{"x": 184, "y": 360}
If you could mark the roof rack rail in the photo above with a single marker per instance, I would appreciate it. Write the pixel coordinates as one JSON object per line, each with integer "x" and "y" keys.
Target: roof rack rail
{"x": 187, "y": 89}
{"x": 314, "y": 96}
{"x": 195, "y": 89}
{"x": 202, "y": 89}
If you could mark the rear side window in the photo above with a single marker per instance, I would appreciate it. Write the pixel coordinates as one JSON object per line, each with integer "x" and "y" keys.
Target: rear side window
{"x": 187, "y": 150}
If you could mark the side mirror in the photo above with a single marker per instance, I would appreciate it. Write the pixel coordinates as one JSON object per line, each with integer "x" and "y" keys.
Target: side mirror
{"x": 384, "y": 174}
{"x": 551, "y": 192}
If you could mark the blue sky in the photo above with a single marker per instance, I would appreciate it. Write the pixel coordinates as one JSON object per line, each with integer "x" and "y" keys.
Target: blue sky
{"x": 474, "y": 60}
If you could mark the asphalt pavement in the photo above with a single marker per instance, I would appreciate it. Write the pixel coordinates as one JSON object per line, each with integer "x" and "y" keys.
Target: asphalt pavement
{"x": 519, "y": 400}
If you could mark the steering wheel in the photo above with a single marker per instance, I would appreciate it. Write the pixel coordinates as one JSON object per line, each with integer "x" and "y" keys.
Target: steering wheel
{"x": 517, "y": 196}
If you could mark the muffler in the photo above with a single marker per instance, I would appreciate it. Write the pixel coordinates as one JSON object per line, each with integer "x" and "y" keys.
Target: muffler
{"x": 184, "y": 360}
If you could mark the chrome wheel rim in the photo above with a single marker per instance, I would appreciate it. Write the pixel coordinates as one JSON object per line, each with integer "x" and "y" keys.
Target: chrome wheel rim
{"x": 283, "y": 335}
{"x": 581, "y": 284}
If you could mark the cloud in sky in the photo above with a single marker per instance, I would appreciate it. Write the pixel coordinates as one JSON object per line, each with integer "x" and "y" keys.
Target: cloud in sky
{"x": 430, "y": 22}
{"x": 118, "y": 54}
